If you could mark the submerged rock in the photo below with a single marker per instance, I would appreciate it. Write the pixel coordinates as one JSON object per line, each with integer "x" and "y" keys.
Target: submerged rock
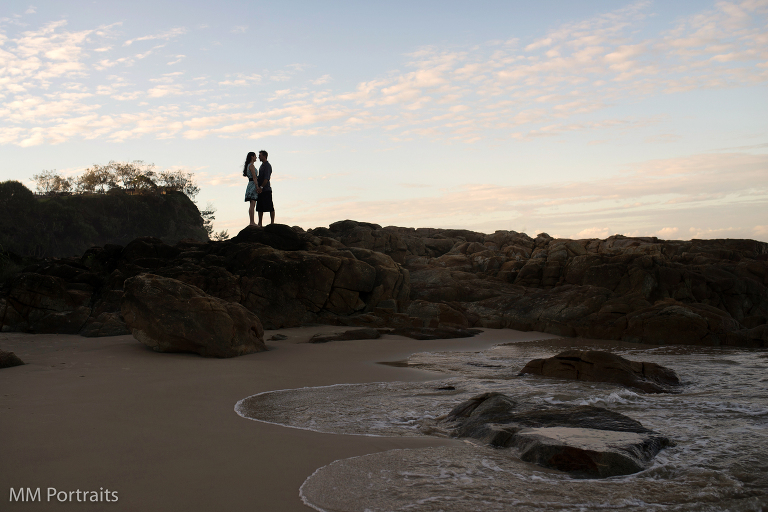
{"x": 170, "y": 316}
{"x": 599, "y": 366}
{"x": 583, "y": 440}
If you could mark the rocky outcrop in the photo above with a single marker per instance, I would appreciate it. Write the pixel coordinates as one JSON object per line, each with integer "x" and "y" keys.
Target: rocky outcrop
{"x": 641, "y": 289}
{"x": 283, "y": 275}
{"x": 63, "y": 225}
{"x": 9, "y": 359}
{"x": 170, "y": 316}
{"x": 598, "y": 366}
{"x": 644, "y": 290}
{"x": 586, "y": 441}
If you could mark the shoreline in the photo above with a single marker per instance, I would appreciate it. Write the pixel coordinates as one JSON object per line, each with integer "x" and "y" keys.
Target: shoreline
{"x": 161, "y": 429}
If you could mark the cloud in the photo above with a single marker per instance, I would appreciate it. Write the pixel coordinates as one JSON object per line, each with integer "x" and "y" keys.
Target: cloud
{"x": 322, "y": 80}
{"x": 667, "y": 233}
{"x": 239, "y": 29}
{"x": 166, "y": 36}
{"x": 549, "y": 86}
{"x": 594, "y": 233}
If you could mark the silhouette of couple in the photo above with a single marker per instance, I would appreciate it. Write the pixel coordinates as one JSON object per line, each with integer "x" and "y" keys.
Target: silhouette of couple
{"x": 259, "y": 190}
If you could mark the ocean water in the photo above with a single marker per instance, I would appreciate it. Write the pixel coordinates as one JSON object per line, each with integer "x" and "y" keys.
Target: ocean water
{"x": 719, "y": 424}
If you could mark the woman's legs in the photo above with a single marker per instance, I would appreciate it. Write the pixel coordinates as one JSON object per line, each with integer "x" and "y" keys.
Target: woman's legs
{"x": 250, "y": 212}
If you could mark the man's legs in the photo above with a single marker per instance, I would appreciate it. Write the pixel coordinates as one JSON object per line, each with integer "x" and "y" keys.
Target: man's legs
{"x": 261, "y": 214}
{"x": 272, "y": 217}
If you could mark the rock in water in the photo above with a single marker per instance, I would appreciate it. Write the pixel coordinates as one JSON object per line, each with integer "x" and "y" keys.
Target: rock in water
{"x": 170, "y": 316}
{"x": 586, "y": 441}
{"x": 8, "y": 359}
{"x": 598, "y": 366}
{"x": 585, "y": 451}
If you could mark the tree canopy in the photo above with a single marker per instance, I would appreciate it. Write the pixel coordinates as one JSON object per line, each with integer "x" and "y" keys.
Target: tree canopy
{"x": 136, "y": 177}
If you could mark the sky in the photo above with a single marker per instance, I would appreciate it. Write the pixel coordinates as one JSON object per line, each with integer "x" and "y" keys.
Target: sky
{"x": 578, "y": 119}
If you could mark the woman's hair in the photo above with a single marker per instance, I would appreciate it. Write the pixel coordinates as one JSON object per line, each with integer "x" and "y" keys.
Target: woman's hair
{"x": 247, "y": 161}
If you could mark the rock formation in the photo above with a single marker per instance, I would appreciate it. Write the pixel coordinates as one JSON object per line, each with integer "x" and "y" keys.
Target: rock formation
{"x": 598, "y": 366}
{"x": 585, "y": 440}
{"x": 705, "y": 292}
{"x": 62, "y": 225}
{"x": 170, "y": 316}
{"x": 702, "y": 292}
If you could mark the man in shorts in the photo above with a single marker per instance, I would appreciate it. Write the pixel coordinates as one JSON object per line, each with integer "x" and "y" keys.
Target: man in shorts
{"x": 264, "y": 188}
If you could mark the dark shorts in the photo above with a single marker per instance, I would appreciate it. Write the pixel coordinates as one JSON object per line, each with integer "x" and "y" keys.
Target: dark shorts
{"x": 264, "y": 203}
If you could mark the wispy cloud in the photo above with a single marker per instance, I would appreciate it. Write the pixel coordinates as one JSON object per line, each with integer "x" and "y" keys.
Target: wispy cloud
{"x": 557, "y": 84}
{"x": 166, "y": 36}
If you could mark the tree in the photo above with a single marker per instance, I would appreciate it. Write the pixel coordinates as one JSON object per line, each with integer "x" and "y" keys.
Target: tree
{"x": 208, "y": 218}
{"x": 49, "y": 182}
{"x": 179, "y": 180}
{"x": 98, "y": 178}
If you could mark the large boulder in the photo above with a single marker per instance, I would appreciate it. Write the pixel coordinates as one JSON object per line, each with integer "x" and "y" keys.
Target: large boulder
{"x": 587, "y": 452}
{"x": 586, "y": 441}
{"x": 170, "y": 316}
{"x": 599, "y": 366}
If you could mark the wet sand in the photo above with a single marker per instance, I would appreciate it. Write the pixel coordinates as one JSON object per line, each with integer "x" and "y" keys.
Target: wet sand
{"x": 161, "y": 430}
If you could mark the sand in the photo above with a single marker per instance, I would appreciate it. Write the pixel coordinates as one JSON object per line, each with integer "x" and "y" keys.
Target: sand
{"x": 161, "y": 431}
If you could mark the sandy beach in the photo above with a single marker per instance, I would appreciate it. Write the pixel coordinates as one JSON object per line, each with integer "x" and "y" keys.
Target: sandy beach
{"x": 161, "y": 430}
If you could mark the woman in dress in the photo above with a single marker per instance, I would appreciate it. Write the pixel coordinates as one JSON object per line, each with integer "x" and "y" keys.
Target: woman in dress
{"x": 251, "y": 195}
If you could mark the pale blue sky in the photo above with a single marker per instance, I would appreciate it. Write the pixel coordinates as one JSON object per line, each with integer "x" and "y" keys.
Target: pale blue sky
{"x": 576, "y": 118}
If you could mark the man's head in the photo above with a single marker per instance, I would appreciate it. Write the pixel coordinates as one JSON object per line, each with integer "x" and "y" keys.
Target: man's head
{"x": 263, "y": 155}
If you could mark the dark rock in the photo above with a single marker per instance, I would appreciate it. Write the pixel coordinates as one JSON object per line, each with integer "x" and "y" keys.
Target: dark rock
{"x": 587, "y": 452}
{"x": 8, "y": 359}
{"x": 756, "y": 337}
{"x": 435, "y": 314}
{"x": 673, "y": 322}
{"x": 598, "y": 366}
{"x": 435, "y": 333}
{"x": 44, "y": 304}
{"x": 170, "y": 316}
{"x": 106, "y": 324}
{"x": 278, "y": 236}
{"x": 354, "y": 334}
{"x": 585, "y": 441}
{"x": 278, "y": 337}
